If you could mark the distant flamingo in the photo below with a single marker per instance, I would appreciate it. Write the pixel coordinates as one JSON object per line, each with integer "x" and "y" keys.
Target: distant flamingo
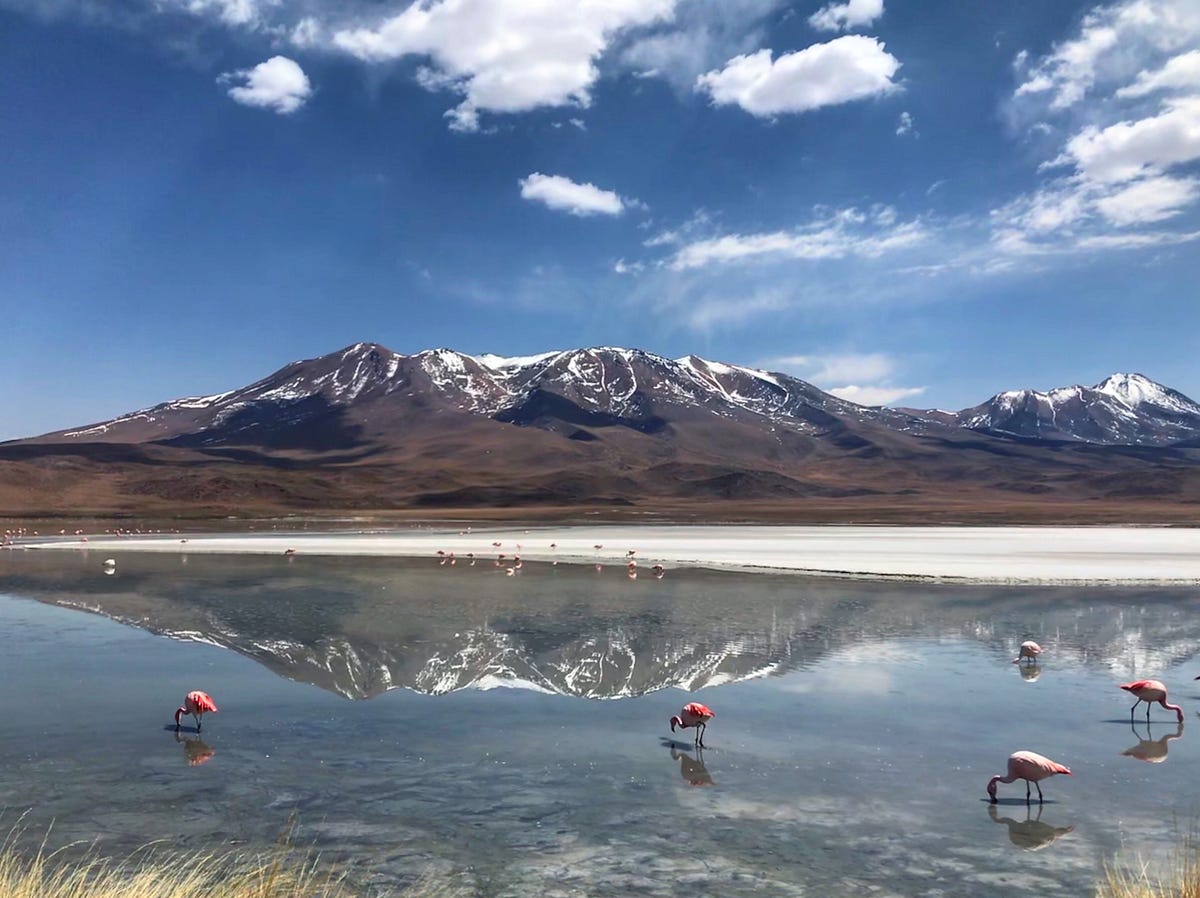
{"x": 1150, "y": 691}
{"x": 1030, "y": 650}
{"x": 197, "y": 704}
{"x": 695, "y": 715}
{"x": 1028, "y": 766}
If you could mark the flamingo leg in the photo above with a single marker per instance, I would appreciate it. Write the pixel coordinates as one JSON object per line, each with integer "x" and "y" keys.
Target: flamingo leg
{"x": 1039, "y": 788}
{"x": 1131, "y": 710}
{"x": 700, "y": 734}
{"x": 1026, "y": 791}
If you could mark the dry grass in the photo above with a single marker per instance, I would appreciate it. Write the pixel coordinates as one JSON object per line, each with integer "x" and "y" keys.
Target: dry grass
{"x": 1182, "y": 879}
{"x": 153, "y": 872}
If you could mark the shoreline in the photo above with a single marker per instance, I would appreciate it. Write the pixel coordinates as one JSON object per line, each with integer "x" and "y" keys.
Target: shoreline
{"x": 1133, "y": 555}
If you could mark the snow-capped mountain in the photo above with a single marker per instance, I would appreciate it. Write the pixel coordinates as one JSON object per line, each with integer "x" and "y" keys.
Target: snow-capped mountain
{"x": 1123, "y": 409}
{"x": 368, "y": 428}
{"x": 599, "y": 387}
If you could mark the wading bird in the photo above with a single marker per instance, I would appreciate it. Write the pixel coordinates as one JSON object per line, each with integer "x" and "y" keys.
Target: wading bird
{"x": 197, "y": 704}
{"x": 1150, "y": 691}
{"x": 1029, "y": 650}
{"x": 1028, "y": 766}
{"x": 695, "y": 715}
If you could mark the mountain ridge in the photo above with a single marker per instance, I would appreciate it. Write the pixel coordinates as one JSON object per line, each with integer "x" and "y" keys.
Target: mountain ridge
{"x": 365, "y": 427}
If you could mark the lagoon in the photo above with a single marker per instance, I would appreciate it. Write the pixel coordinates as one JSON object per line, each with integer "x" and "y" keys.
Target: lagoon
{"x": 508, "y": 734}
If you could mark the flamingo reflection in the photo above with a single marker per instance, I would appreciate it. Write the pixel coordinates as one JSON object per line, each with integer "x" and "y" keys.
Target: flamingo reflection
{"x": 1030, "y": 834}
{"x": 195, "y": 750}
{"x": 1152, "y": 751}
{"x": 692, "y": 769}
{"x": 1030, "y": 672}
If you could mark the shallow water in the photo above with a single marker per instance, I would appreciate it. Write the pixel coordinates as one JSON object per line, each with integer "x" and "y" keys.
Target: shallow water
{"x": 857, "y": 723}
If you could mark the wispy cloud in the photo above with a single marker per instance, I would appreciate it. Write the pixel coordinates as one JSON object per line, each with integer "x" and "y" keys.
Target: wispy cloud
{"x": 849, "y": 232}
{"x": 852, "y": 67}
{"x": 564, "y": 195}
{"x": 863, "y": 378}
{"x": 1137, "y": 63}
{"x": 278, "y": 84}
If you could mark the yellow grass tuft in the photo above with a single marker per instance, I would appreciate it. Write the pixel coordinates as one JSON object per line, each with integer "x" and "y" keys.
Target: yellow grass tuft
{"x": 1182, "y": 879}
{"x": 153, "y": 872}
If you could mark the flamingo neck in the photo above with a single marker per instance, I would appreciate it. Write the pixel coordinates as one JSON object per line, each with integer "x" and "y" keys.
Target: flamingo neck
{"x": 676, "y": 722}
{"x": 1178, "y": 710}
{"x": 179, "y": 713}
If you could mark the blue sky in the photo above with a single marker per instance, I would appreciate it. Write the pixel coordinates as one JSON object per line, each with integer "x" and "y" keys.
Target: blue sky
{"x": 904, "y": 203}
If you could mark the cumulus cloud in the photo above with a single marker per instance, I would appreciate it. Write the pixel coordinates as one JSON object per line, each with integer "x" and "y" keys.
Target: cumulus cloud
{"x": 1148, "y": 200}
{"x": 279, "y": 84}
{"x": 848, "y": 232}
{"x": 841, "y": 16}
{"x": 905, "y": 125}
{"x": 230, "y": 12}
{"x": 504, "y": 55}
{"x": 564, "y": 195}
{"x": 847, "y": 68}
{"x": 1130, "y": 149}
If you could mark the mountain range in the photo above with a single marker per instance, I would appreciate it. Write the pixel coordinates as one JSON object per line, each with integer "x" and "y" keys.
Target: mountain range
{"x": 367, "y": 428}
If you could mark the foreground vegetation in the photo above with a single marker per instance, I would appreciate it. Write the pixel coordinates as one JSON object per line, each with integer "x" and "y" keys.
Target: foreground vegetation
{"x": 151, "y": 873}
{"x": 1182, "y": 879}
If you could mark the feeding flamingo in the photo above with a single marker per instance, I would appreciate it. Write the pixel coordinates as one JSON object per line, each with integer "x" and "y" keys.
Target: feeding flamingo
{"x": 197, "y": 704}
{"x": 1029, "y": 649}
{"x": 695, "y": 715}
{"x": 1150, "y": 691}
{"x": 1028, "y": 766}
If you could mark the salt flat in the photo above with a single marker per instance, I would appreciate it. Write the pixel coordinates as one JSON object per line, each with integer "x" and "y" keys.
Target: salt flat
{"x": 980, "y": 554}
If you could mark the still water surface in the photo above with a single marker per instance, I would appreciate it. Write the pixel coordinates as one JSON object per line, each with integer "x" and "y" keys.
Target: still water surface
{"x": 857, "y": 723}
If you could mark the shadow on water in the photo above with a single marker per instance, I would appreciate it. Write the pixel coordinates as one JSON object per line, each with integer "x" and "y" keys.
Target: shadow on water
{"x": 1030, "y": 834}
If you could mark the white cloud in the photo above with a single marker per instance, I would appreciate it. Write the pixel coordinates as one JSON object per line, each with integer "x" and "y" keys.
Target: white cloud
{"x": 564, "y": 195}
{"x": 1127, "y": 145}
{"x": 1148, "y": 200}
{"x": 866, "y": 395}
{"x": 702, "y": 35}
{"x": 851, "y": 14}
{"x": 623, "y": 267}
{"x": 279, "y": 84}
{"x": 1130, "y": 149}
{"x": 905, "y": 125}
{"x": 869, "y": 376}
{"x": 847, "y": 68}
{"x": 231, "y": 12}
{"x": 1180, "y": 72}
{"x": 845, "y": 233}
{"x": 1112, "y": 45}
{"x": 505, "y": 55}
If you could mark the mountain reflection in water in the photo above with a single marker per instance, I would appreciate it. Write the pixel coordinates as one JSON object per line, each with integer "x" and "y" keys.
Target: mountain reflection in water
{"x": 361, "y": 626}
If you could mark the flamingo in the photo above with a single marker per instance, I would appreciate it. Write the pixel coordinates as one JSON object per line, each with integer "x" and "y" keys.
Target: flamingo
{"x": 1150, "y": 691}
{"x": 695, "y": 715}
{"x": 1028, "y": 766}
{"x": 197, "y": 704}
{"x": 1029, "y": 649}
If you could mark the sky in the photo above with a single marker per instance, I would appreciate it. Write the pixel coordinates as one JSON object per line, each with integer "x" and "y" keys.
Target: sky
{"x": 904, "y": 203}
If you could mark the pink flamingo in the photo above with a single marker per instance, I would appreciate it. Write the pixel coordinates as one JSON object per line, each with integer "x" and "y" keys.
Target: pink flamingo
{"x": 1028, "y": 766}
{"x": 197, "y": 704}
{"x": 1030, "y": 650}
{"x": 695, "y": 715}
{"x": 1150, "y": 691}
